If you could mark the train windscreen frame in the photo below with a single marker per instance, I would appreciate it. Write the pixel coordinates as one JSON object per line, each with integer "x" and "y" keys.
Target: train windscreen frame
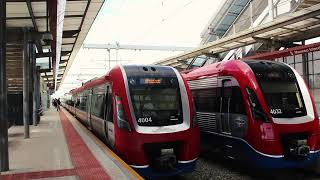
{"x": 280, "y": 89}
{"x": 156, "y": 101}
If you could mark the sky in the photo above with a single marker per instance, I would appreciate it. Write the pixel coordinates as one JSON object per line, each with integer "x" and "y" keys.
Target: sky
{"x": 139, "y": 22}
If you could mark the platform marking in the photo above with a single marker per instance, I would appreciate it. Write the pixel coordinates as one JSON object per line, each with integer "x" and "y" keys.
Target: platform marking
{"x": 85, "y": 163}
{"x": 109, "y": 152}
{"x": 39, "y": 175}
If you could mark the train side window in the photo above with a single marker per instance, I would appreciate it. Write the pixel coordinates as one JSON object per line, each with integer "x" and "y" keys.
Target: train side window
{"x": 109, "y": 105}
{"x": 237, "y": 105}
{"x": 98, "y": 101}
{"x": 98, "y": 105}
{"x": 226, "y": 100}
{"x": 76, "y": 100}
{"x": 206, "y": 100}
{"x": 232, "y": 100}
{"x": 83, "y": 101}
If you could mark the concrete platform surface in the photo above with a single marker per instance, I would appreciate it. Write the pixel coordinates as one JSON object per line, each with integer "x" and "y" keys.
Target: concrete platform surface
{"x": 62, "y": 148}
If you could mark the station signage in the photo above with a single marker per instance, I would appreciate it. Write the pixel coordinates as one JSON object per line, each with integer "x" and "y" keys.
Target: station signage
{"x": 287, "y": 52}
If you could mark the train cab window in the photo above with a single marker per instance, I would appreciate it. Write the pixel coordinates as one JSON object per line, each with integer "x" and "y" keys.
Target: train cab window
{"x": 283, "y": 98}
{"x": 156, "y": 102}
{"x": 280, "y": 89}
{"x": 255, "y": 106}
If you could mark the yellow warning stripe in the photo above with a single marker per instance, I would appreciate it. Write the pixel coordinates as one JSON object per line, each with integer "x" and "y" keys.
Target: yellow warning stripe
{"x": 110, "y": 152}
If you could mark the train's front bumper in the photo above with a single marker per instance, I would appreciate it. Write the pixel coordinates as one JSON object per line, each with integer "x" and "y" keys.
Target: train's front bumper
{"x": 160, "y": 154}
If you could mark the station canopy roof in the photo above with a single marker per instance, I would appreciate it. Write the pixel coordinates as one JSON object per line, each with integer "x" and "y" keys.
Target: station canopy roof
{"x": 301, "y": 25}
{"x": 78, "y": 18}
{"x": 67, "y": 20}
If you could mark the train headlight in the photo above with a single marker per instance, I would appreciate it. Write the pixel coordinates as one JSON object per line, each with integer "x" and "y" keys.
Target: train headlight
{"x": 121, "y": 121}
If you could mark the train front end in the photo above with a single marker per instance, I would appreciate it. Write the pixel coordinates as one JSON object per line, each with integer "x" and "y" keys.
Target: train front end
{"x": 286, "y": 129}
{"x": 156, "y": 131}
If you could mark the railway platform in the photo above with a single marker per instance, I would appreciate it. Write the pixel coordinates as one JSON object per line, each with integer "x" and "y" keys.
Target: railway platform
{"x": 61, "y": 148}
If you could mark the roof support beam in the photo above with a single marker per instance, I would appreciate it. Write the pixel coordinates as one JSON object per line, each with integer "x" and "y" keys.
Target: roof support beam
{"x": 38, "y": 44}
{"x": 135, "y": 47}
{"x": 42, "y": 17}
{"x": 32, "y": 15}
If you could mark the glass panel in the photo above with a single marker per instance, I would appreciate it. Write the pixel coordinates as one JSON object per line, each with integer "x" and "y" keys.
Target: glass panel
{"x": 298, "y": 58}
{"x": 310, "y": 64}
{"x": 206, "y": 100}
{"x": 316, "y": 55}
{"x": 316, "y": 96}
{"x": 317, "y": 81}
{"x": 156, "y": 102}
{"x": 43, "y": 62}
{"x": 109, "y": 109}
{"x": 198, "y": 61}
{"x": 290, "y": 60}
{"x": 98, "y": 104}
{"x": 283, "y": 98}
{"x": 311, "y": 81}
{"x": 83, "y": 103}
{"x": 298, "y": 67}
{"x": 316, "y": 68}
{"x": 310, "y": 56}
{"x": 237, "y": 106}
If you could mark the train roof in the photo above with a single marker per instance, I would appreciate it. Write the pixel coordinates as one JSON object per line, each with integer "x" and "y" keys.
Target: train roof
{"x": 211, "y": 69}
{"x": 104, "y": 78}
{"x": 92, "y": 82}
{"x": 235, "y": 65}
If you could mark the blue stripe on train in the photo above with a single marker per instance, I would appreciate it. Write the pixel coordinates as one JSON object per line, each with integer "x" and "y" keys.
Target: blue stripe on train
{"x": 264, "y": 161}
{"x": 180, "y": 168}
{"x": 252, "y": 157}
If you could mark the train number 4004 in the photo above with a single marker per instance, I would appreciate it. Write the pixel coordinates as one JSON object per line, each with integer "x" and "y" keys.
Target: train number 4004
{"x": 145, "y": 120}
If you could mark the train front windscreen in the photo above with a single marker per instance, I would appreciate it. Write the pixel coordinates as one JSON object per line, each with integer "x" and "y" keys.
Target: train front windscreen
{"x": 156, "y": 100}
{"x": 280, "y": 89}
{"x": 283, "y": 98}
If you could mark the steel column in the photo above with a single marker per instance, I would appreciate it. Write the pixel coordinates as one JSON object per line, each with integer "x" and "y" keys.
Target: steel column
{"x": 305, "y": 66}
{"x": 26, "y": 80}
{"x": 38, "y": 94}
{"x": 4, "y": 160}
{"x": 31, "y": 77}
{"x": 35, "y": 90}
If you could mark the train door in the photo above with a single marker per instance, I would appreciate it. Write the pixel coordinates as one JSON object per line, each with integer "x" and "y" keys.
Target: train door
{"x": 109, "y": 116}
{"x": 89, "y": 109}
{"x": 225, "y": 103}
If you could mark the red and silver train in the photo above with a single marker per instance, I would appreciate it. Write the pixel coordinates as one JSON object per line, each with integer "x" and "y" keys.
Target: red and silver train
{"x": 260, "y": 112}
{"x": 145, "y": 113}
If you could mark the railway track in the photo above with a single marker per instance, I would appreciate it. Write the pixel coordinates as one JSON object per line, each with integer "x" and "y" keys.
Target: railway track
{"x": 213, "y": 166}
